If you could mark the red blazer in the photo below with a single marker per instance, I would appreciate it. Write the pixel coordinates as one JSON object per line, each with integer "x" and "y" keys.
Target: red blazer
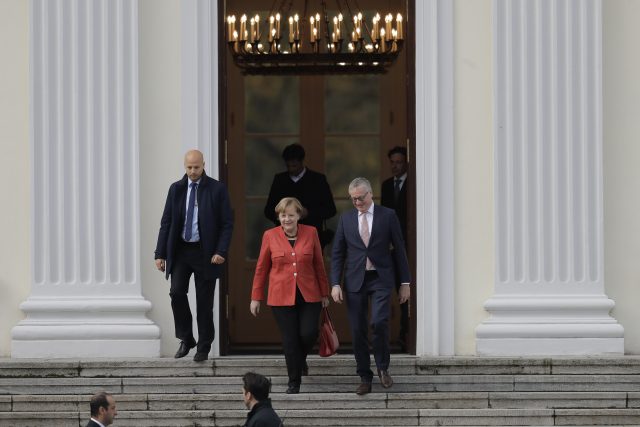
{"x": 285, "y": 266}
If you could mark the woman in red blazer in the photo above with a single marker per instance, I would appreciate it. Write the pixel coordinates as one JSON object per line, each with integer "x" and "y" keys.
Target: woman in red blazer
{"x": 291, "y": 259}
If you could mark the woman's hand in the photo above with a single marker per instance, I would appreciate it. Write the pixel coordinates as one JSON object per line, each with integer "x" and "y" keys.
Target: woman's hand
{"x": 254, "y": 307}
{"x": 325, "y": 302}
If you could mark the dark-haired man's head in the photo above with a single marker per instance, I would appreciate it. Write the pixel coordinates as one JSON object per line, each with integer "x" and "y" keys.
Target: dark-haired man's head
{"x": 103, "y": 408}
{"x": 398, "y": 160}
{"x": 293, "y": 156}
{"x": 256, "y": 388}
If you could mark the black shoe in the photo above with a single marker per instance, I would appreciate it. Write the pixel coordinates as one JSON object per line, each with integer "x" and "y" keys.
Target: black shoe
{"x": 200, "y": 356}
{"x": 184, "y": 348}
{"x": 385, "y": 378}
{"x": 293, "y": 389}
{"x": 363, "y": 388}
{"x": 305, "y": 369}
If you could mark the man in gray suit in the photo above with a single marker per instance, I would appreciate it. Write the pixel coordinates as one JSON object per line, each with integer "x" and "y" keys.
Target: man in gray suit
{"x": 368, "y": 246}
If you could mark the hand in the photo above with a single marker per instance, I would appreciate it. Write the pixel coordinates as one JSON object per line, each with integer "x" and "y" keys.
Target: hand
{"x": 254, "y": 307}
{"x": 160, "y": 264}
{"x": 325, "y": 302}
{"x": 405, "y": 293}
{"x": 217, "y": 259}
{"x": 336, "y": 294}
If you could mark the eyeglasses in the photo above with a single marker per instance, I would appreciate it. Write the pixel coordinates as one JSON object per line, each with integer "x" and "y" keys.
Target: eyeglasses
{"x": 359, "y": 199}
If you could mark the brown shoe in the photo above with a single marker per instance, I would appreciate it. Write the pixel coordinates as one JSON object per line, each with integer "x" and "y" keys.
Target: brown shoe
{"x": 385, "y": 378}
{"x": 363, "y": 389}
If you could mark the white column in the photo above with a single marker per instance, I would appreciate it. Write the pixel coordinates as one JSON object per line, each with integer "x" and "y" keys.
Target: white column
{"x": 86, "y": 296}
{"x": 434, "y": 178}
{"x": 199, "y": 105}
{"x": 549, "y": 289}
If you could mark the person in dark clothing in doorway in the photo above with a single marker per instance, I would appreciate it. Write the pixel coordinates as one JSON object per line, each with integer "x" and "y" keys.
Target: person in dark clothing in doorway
{"x": 256, "y": 389}
{"x": 394, "y": 196}
{"x": 309, "y": 187}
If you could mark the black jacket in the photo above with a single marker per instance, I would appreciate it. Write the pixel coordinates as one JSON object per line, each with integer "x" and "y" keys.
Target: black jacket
{"x": 400, "y": 207}
{"x": 313, "y": 192}
{"x": 215, "y": 222}
{"x": 263, "y": 415}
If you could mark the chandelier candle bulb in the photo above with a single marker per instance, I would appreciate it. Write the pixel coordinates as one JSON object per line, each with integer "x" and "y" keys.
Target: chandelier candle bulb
{"x": 399, "y": 25}
{"x": 388, "y": 21}
{"x": 243, "y": 28}
{"x": 290, "y": 29}
{"x": 317, "y": 26}
{"x": 231, "y": 21}
{"x": 312, "y": 27}
{"x": 296, "y": 19}
{"x": 339, "y": 26}
{"x": 271, "y": 29}
{"x": 382, "y": 39}
{"x": 252, "y": 30}
{"x": 257, "y": 18}
{"x": 277, "y": 26}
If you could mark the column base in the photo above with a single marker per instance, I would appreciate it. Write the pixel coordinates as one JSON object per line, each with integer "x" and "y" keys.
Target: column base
{"x": 554, "y": 325}
{"x": 85, "y": 327}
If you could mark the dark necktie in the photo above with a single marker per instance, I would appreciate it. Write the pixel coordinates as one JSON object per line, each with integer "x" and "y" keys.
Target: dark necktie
{"x": 396, "y": 189}
{"x": 190, "y": 209}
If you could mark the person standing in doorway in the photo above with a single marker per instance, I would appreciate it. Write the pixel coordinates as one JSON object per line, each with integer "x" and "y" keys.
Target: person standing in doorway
{"x": 195, "y": 233}
{"x": 394, "y": 196}
{"x": 368, "y": 247}
{"x": 309, "y": 187}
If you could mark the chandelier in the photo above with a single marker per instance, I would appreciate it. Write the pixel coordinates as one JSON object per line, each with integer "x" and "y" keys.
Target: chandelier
{"x": 316, "y": 43}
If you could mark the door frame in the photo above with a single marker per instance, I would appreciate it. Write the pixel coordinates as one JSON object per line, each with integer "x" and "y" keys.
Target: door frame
{"x": 430, "y": 113}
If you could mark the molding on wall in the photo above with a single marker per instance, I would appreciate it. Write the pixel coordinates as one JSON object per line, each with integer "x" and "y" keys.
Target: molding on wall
{"x": 549, "y": 287}
{"x": 86, "y": 293}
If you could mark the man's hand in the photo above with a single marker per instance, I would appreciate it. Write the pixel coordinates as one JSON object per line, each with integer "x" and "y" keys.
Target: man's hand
{"x": 325, "y": 302}
{"x": 160, "y": 264}
{"x": 405, "y": 293}
{"x": 254, "y": 307}
{"x": 217, "y": 259}
{"x": 336, "y": 294}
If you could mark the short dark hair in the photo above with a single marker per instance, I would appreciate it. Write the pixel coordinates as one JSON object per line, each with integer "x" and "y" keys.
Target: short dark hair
{"x": 99, "y": 400}
{"x": 397, "y": 150}
{"x": 293, "y": 152}
{"x": 258, "y": 385}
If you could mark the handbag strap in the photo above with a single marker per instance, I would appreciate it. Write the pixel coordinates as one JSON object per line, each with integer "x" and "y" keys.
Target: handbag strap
{"x": 326, "y": 315}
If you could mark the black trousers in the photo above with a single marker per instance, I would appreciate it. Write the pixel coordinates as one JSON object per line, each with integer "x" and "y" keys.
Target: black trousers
{"x": 189, "y": 260}
{"x": 357, "y": 308}
{"x": 298, "y": 325}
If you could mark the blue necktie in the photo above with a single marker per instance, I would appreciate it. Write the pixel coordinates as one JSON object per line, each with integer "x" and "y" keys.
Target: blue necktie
{"x": 190, "y": 209}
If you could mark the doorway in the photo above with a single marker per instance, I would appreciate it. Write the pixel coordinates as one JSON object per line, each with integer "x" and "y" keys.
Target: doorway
{"x": 346, "y": 125}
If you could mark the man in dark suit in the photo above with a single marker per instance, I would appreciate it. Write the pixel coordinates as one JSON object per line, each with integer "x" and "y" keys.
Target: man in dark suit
{"x": 369, "y": 247}
{"x": 394, "y": 196}
{"x": 309, "y": 187}
{"x": 194, "y": 238}
{"x": 103, "y": 410}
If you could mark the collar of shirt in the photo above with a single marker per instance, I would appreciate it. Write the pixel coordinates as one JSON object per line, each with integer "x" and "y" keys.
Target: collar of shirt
{"x": 402, "y": 178}
{"x": 97, "y": 422}
{"x": 299, "y": 176}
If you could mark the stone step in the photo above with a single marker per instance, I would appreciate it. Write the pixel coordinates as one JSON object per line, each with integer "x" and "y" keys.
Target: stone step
{"x": 336, "y": 365}
{"x": 437, "y": 400}
{"x": 326, "y": 384}
{"x": 341, "y": 417}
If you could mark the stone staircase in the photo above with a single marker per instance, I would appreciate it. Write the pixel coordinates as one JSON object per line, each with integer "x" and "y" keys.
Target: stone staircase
{"x": 456, "y": 391}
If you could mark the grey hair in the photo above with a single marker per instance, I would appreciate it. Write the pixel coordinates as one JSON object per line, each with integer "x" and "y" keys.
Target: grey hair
{"x": 360, "y": 182}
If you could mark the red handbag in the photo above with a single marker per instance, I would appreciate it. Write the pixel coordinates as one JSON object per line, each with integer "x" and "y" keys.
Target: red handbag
{"x": 328, "y": 337}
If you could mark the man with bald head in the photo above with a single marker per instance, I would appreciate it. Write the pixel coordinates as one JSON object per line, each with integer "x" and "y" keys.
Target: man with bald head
{"x": 194, "y": 238}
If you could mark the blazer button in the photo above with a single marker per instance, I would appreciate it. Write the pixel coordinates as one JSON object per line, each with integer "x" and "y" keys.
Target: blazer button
{"x": 295, "y": 274}
{"x": 294, "y": 264}
{"x": 293, "y": 254}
